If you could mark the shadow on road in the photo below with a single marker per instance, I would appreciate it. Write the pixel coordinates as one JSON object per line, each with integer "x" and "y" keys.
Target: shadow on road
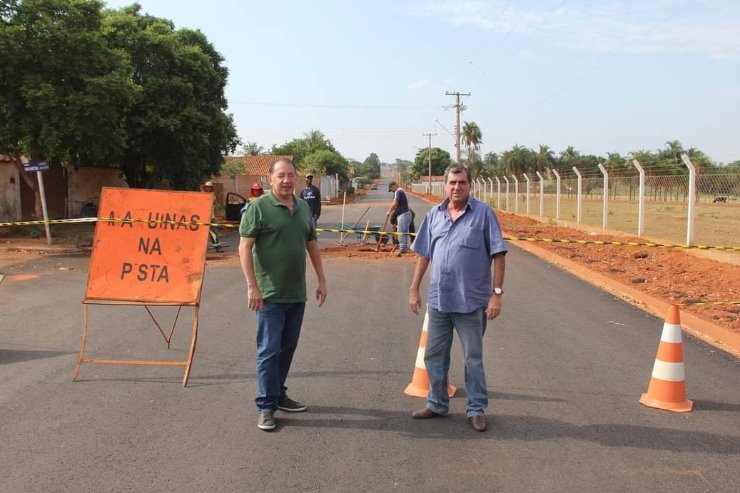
{"x": 520, "y": 428}
{"x": 19, "y": 355}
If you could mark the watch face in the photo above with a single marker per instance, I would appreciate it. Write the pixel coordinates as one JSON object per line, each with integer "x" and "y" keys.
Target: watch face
{"x": 497, "y": 290}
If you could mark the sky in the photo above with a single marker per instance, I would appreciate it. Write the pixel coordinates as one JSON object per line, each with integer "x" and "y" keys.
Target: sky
{"x": 601, "y": 76}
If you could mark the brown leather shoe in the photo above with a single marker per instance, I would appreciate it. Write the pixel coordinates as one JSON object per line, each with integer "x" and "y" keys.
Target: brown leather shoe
{"x": 425, "y": 413}
{"x": 478, "y": 423}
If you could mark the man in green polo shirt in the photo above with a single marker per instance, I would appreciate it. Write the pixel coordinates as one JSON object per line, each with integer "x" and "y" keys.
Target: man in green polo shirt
{"x": 276, "y": 231}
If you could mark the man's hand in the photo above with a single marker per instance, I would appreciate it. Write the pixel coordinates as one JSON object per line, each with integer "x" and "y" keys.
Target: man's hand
{"x": 254, "y": 299}
{"x": 414, "y": 300}
{"x": 321, "y": 293}
{"x": 493, "y": 309}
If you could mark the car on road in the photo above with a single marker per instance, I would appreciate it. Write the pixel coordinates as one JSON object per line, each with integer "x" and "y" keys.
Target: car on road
{"x": 374, "y": 187}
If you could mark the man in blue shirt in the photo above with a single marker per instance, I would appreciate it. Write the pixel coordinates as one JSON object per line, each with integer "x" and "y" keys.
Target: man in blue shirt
{"x": 459, "y": 238}
{"x": 312, "y": 195}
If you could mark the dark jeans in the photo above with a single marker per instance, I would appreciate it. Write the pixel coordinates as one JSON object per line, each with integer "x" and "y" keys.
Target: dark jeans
{"x": 278, "y": 330}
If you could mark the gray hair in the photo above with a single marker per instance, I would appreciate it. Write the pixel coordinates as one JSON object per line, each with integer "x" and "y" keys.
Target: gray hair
{"x": 455, "y": 168}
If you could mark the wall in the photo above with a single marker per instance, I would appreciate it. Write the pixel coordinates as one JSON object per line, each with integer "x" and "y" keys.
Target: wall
{"x": 85, "y": 183}
{"x": 10, "y": 192}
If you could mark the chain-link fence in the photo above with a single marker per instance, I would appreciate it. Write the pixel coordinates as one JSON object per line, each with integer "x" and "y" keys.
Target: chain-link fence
{"x": 666, "y": 197}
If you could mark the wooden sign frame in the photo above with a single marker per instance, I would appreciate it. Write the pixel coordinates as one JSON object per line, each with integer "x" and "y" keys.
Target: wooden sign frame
{"x": 132, "y": 229}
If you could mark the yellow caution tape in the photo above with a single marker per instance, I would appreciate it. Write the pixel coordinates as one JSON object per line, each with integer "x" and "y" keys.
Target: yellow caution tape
{"x": 626, "y": 243}
{"x": 708, "y": 303}
{"x": 52, "y": 221}
{"x": 389, "y": 233}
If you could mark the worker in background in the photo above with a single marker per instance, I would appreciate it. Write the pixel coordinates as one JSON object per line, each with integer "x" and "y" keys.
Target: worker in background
{"x": 312, "y": 195}
{"x": 255, "y": 191}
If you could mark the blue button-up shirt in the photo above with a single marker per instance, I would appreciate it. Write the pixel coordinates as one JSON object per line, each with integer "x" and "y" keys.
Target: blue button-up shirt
{"x": 460, "y": 255}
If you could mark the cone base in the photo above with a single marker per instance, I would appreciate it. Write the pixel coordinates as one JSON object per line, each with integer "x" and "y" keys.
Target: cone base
{"x": 678, "y": 407}
{"x": 415, "y": 391}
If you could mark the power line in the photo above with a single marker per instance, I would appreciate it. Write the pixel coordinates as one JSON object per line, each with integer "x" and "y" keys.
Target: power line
{"x": 336, "y": 106}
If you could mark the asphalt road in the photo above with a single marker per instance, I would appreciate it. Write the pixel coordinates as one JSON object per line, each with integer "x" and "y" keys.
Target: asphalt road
{"x": 566, "y": 366}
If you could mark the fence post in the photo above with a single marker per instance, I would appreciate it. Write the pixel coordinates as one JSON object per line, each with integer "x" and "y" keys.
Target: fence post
{"x": 692, "y": 198}
{"x": 542, "y": 192}
{"x": 640, "y": 200}
{"x": 578, "y": 198}
{"x": 527, "y": 193}
{"x": 516, "y": 194}
{"x": 480, "y": 180}
{"x": 490, "y": 189}
{"x": 498, "y": 193}
{"x": 557, "y": 194}
{"x": 507, "y": 192}
{"x": 605, "y": 213}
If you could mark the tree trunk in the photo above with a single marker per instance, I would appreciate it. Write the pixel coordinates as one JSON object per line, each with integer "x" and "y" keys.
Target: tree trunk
{"x": 34, "y": 185}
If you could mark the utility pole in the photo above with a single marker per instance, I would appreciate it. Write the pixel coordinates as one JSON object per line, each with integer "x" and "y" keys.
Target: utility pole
{"x": 458, "y": 109}
{"x": 430, "y": 161}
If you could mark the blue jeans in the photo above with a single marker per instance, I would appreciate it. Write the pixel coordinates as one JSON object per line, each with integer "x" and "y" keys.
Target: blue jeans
{"x": 470, "y": 328}
{"x": 404, "y": 222}
{"x": 278, "y": 329}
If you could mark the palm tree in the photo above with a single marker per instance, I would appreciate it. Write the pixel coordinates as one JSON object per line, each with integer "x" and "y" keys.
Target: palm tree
{"x": 545, "y": 158}
{"x": 252, "y": 149}
{"x": 472, "y": 138}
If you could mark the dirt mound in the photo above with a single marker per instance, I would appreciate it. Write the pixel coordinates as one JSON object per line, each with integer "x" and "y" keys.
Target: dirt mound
{"x": 672, "y": 274}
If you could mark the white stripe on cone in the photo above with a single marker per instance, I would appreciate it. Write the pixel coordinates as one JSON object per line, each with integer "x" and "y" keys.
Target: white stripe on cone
{"x": 671, "y": 333}
{"x": 669, "y": 372}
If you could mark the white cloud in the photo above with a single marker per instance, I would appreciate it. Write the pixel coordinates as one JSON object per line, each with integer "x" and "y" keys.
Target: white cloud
{"x": 418, "y": 84}
{"x": 649, "y": 27}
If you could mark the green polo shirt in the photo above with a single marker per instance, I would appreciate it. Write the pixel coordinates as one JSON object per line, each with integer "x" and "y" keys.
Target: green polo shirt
{"x": 279, "y": 251}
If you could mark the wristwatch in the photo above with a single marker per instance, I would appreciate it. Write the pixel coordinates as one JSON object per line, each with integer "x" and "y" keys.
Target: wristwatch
{"x": 498, "y": 291}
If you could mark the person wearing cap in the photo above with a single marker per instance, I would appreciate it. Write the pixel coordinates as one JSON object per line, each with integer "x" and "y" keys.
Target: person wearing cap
{"x": 213, "y": 231}
{"x": 400, "y": 209}
{"x": 208, "y": 188}
{"x": 312, "y": 196}
{"x": 255, "y": 191}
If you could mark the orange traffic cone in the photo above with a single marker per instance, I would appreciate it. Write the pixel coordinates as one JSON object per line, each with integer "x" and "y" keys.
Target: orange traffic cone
{"x": 667, "y": 389}
{"x": 419, "y": 386}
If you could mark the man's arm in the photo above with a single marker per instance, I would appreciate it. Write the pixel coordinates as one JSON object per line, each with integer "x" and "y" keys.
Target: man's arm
{"x": 315, "y": 255}
{"x": 317, "y": 213}
{"x": 414, "y": 298}
{"x": 499, "y": 268}
{"x": 254, "y": 296}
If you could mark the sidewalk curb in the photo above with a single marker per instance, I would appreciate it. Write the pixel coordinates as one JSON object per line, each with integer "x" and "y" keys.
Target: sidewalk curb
{"x": 711, "y": 333}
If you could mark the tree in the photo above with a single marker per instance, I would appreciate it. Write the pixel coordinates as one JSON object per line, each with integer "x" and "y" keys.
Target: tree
{"x": 402, "y": 167}
{"x": 326, "y": 162}
{"x": 440, "y": 161}
{"x": 177, "y": 129}
{"x": 252, "y": 149}
{"x": 568, "y": 158}
{"x": 518, "y": 160}
{"x": 312, "y": 142}
{"x": 370, "y": 167}
{"x": 472, "y": 139}
{"x": 63, "y": 90}
{"x": 490, "y": 165}
{"x": 545, "y": 158}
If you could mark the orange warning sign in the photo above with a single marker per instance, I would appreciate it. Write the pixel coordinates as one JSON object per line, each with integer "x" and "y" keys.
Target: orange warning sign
{"x": 150, "y": 246}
